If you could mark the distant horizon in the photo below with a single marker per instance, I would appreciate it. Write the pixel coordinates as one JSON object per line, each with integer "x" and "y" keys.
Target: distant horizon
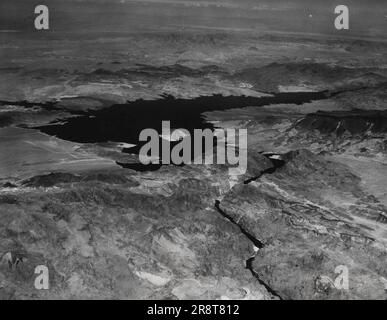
{"x": 299, "y": 16}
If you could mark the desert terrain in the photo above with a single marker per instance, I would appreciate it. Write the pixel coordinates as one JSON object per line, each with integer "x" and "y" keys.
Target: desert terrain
{"x": 313, "y": 197}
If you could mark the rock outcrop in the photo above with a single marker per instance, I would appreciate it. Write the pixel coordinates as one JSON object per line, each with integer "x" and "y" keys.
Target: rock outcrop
{"x": 312, "y": 218}
{"x": 130, "y": 236}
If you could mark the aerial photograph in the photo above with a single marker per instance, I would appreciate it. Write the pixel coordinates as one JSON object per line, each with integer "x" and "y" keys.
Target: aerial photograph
{"x": 174, "y": 150}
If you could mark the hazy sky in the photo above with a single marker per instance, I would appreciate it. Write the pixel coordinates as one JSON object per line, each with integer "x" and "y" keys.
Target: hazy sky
{"x": 368, "y": 17}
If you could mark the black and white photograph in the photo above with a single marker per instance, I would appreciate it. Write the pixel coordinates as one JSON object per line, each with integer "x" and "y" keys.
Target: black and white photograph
{"x": 219, "y": 151}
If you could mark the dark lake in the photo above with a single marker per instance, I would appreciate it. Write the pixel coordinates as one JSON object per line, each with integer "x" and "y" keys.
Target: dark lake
{"x": 124, "y": 122}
